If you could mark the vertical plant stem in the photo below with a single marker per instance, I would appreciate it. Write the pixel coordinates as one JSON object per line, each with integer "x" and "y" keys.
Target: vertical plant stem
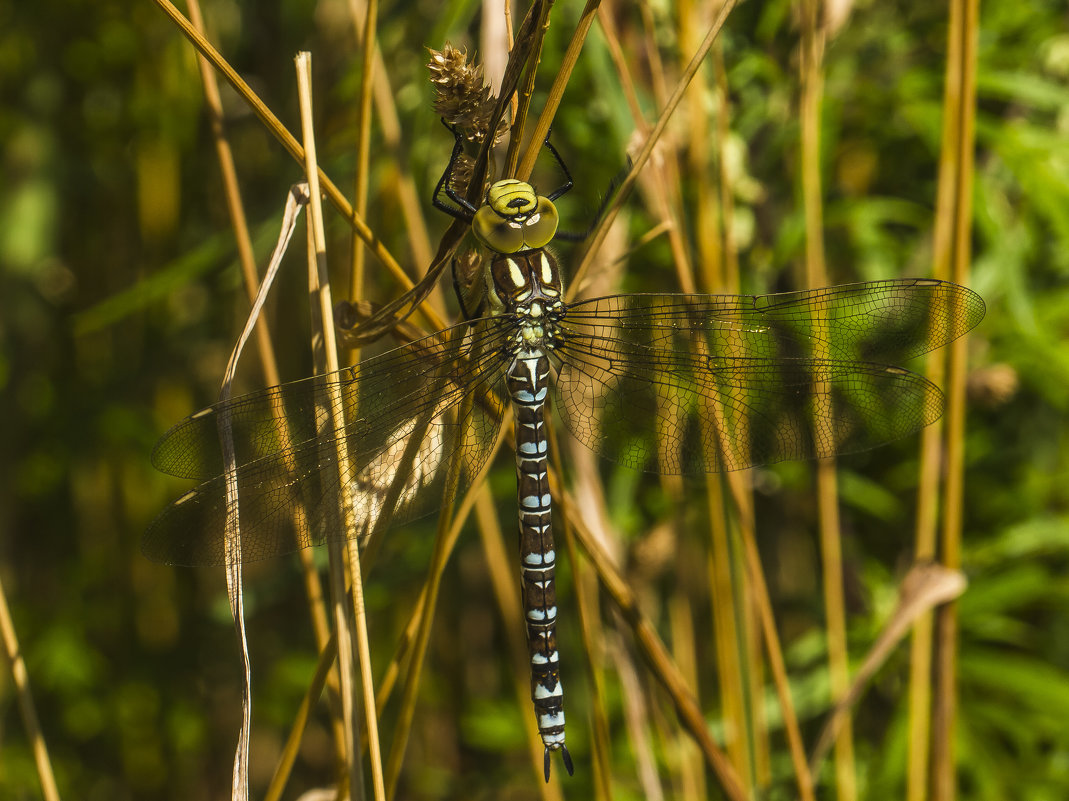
{"x": 556, "y": 91}
{"x": 363, "y": 146}
{"x": 234, "y": 204}
{"x": 286, "y": 139}
{"x": 337, "y": 549}
{"x": 409, "y": 197}
{"x": 931, "y": 452}
{"x": 327, "y": 658}
{"x": 236, "y": 210}
{"x": 943, "y": 761}
{"x": 587, "y": 615}
{"x": 951, "y": 246}
{"x": 653, "y": 649}
{"x": 827, "y": 485}
{"x": 729, "y": 651}
{"x": 692, "y": 775}
{"x": 771, "y": 639}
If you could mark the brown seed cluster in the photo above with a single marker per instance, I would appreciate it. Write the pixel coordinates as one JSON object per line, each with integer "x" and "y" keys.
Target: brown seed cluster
{"x": 464, "y": 101}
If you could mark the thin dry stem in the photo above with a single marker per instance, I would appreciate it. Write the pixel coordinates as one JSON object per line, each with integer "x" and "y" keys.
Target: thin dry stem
{"x": 363, "y": 144}
{"x": 409, "y": 198}
{"x": 812, "y": 44}
{"x": 725, "y": 600}
{"x": 324, "y": 668}
{"x": 699, "y": 154}
{"x": 320, "y": 280}
{"x": 27, "y": 709}
{"x": 647, "y": 149}
{"x": 236, "y": 209}
{"x": 587, "y": 609}
{"x": 652, "y": 647}
{"x": 526, "y": 89}
{"x": 234, "y": 204}
{"x": 773, "y": 649}
{"x": 556, "y": 91}
{"x": 292, "y": 146}
{"x": 619, "y": 60}
{"x": 945, "y": 717}
{"x": 691, "y": 771}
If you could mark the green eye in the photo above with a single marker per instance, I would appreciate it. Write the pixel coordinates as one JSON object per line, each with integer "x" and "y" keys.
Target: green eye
{"x": 499, "y": 234}
{"x": 541, "y": 226}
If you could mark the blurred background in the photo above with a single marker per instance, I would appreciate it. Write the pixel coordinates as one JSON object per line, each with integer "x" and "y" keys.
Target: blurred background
{"x": 120, "y": 299}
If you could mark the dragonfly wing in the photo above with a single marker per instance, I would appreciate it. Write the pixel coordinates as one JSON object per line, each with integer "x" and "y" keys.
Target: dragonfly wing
{"x": 884, "y": 322}
{"x": 407, "y": 413}
{"x": 644, "y": 386}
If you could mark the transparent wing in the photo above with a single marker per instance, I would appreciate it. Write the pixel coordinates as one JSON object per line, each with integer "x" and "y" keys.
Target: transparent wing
{"x": 703, "y": 383}
{"x": 407, "y": 412}
{"x": 885, "y": 322}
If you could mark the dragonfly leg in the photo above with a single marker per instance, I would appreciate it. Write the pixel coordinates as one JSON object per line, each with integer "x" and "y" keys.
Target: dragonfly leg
{"x": 610, "y": 192}
{"x": 463, "y": 210}
{"x": 568, "y": 182}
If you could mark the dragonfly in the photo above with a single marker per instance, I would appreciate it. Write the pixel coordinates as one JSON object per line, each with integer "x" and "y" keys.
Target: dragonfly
{"x": 668, "y": 383}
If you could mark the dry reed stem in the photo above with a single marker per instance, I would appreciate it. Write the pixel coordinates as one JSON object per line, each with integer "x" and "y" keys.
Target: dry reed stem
{"x": 448, "y": 531}
{"x": 367, "y": 35}
{"x": 27, "y": 710}
{"x": 588, "y": 614}
{"x": 524, "y": 93}
{"x": 292, "y": 146}
{"x": 651, "y": 646}
{"x": 720, "y": 251}
{"x": 701, "y": 146}
{"x": 647, "y": 149}
{"x": 339, "y": 554}
{"x": 724, "y": 601}
{"x": 951, "y": 247}
{"x": 409, "y": 198}
{"x": 812, "y": 80}
{"x": 925, "y": 586}
{"x": 773, "y": 649}
{"x": 288, "y": 757}
{"x": 616, "y": 54}
{"x": 931, "y": 449}
{"x": 945, "y": 716}
{"x": 684, "y": 651}
{"x": 236, "y": 210}
{"x": 234, "y": 204}
{"x": 556, "y": 91}
{"x": 363, "y": 146}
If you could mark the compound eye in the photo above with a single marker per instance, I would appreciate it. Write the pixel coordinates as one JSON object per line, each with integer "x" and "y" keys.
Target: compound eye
{"x": 541, "y": 226}
{"x": 499, "y": 234}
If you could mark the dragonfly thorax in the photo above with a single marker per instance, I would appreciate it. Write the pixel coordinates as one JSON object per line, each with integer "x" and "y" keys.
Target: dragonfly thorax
{"x": 528, "y": 286}
{"x": 526, "y": 283}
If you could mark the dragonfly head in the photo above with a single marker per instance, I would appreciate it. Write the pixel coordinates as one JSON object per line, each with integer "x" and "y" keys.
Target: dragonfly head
{"x": 515, "y": 218}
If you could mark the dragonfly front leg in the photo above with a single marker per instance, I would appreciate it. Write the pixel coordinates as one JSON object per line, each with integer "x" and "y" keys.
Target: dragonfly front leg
{"x": 528, "y": 383}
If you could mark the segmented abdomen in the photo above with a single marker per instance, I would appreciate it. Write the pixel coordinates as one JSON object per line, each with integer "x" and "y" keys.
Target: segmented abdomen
{"x": 528, "y": 384}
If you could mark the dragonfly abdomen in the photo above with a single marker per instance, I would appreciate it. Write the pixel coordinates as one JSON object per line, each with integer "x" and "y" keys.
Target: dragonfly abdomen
{"x": 527, "y": 379}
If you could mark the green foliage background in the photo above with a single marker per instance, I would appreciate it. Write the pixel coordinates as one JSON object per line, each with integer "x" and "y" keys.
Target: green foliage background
{"x": 119, "y": 301}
